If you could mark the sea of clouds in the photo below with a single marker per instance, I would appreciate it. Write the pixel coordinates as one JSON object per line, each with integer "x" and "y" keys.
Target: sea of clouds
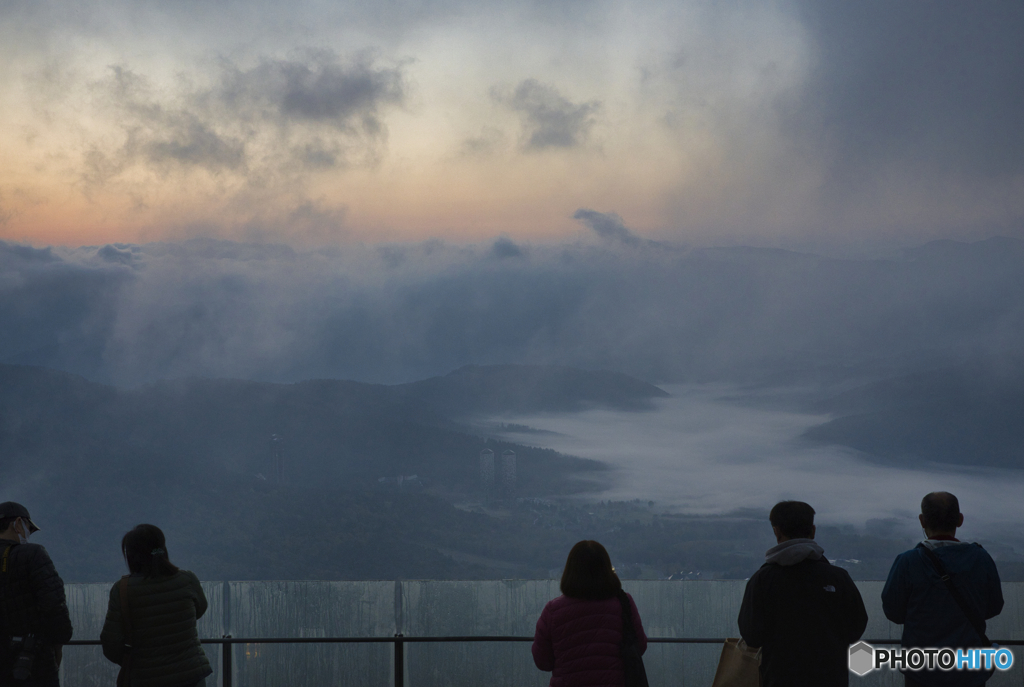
{"x": 127, "y": 314}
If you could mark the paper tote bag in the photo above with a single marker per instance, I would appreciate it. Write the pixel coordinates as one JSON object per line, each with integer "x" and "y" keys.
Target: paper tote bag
{"x": 739, "y": 665}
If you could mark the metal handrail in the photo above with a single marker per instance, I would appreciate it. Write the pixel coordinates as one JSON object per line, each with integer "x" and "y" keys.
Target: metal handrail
{"x": 400, "y": 641}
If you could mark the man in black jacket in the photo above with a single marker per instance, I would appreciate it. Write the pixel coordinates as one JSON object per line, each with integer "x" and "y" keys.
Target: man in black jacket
{"x": 801, "y": 611}
{"x": 34, "y": 619}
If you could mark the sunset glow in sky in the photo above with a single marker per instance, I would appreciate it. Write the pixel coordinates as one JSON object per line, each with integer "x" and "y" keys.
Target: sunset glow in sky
{"x": 319, "y": 123}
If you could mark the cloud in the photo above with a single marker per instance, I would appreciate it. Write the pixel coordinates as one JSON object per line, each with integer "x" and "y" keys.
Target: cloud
{"x": 114, "y": 254}
{"x": 57, "y": 310}
{"x": 489, "y": 140}
{"x": 937, "y": 90}
{"x": 306, "y": 114}
{"x": 317, "y": 89}
{"x": 311, "y": 224}
{"x": 193, "y": 143}
{"x": 607, "y": 225}
{"x": 550, "y": 120}
{"x": 158, "y": 134}
{"x": 504, "y": 247}
{"x": 399, "y": 312}
{"x": 318, "y": 154}
{"x": 12, "y": 254}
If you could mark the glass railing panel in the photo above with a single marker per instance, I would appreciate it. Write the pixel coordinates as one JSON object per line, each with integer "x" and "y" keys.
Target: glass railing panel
{"x": 312, "y": 609}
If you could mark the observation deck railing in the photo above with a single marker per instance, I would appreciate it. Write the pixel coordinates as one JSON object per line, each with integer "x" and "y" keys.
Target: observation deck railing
{"x": 399, "y": 641}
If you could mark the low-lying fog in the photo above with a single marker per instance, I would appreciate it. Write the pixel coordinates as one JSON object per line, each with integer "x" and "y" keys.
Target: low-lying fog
{"x": 709, "y": 450}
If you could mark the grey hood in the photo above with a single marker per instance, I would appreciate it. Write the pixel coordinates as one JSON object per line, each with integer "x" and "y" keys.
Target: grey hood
{"x": 794, "y": 551}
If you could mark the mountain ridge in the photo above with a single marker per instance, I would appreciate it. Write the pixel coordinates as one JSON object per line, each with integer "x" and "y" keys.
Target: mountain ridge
{"x": 195, "y": 455}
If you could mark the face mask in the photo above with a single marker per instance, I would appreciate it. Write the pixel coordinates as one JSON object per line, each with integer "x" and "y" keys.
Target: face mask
{"x": 23, "y": 535}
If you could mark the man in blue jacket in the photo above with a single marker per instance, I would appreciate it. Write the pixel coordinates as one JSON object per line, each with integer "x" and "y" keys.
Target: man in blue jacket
{"x": 916, "y": 596}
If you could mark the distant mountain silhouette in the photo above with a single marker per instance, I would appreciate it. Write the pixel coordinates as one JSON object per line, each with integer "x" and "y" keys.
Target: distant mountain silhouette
{"x": 195, "y": 454}
{"x": 487, "y": 389}
{"x": 963, "y": 415}
{"x": 332, "y": 429}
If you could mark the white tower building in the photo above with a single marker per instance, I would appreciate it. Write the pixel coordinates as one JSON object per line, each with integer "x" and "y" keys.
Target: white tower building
{"x": 508, "y": 472}
{"x": 487, "y": 469}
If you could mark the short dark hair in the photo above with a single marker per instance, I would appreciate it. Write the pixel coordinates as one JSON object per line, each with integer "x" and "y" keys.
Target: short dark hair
{"x": 795, "y": 519}
{"x": 145, "y": 551}
{"x": 940, "y": 511}
{"x": 7, "y": 522}
{"x": 589, "y": 573}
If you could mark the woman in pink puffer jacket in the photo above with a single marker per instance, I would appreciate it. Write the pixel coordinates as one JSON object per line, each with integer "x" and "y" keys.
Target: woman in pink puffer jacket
{"x": 579, "y": 634}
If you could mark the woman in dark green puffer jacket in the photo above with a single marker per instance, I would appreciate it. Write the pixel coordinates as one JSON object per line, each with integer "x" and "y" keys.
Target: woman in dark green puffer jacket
{"x": 163, "y": 606}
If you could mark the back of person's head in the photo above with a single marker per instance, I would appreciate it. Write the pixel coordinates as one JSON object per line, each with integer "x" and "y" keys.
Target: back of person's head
{"x": 589, "y": 573}
{"x": 145, "y": 552}
{"x": 794, "y": 519}
{"x": 940, "y": 512}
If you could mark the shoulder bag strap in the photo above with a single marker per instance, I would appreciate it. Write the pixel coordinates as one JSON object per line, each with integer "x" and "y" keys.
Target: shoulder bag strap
{"x": 972, "y": 615}
{"x": 126, "y": 619}
{"x": 124, "y": 675}
{"x": 3, "y": 620}
{"x": 628, "y": 631}
{"x": 632, "y": 663}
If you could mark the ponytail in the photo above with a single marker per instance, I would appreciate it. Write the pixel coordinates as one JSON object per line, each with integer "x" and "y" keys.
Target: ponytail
{"x": 145, "y": 552}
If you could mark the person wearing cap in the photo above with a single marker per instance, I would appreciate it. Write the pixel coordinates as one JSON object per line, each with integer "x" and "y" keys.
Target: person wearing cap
{"x": 34, "y": 619}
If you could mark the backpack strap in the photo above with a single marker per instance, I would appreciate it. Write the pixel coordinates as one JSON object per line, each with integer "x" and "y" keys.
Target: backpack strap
{"x": 972, "y": 615}
{"x": 7, "y": 552}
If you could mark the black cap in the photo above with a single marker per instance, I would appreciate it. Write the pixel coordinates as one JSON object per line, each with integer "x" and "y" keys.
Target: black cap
{"x": 10, "y": 509}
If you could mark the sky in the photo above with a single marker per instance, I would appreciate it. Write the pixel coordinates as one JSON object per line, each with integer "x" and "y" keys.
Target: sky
{"x": 310, "y": 123}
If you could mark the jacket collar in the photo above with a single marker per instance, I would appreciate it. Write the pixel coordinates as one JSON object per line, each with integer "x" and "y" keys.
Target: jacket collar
{"x": 794, "y": 551}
